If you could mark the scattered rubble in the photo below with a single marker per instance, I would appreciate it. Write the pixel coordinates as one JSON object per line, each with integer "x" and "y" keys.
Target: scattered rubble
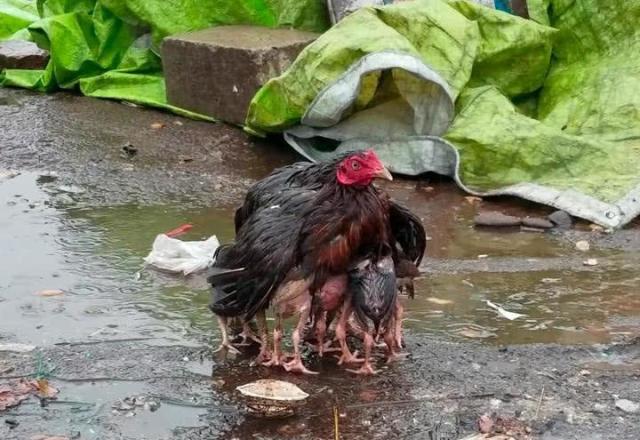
{"x": 129, "y": 405}
{"x": 627, "y": 406}
{"x": 537, "y": 222}
{"x": 561, "y": 219}
{"x": 494, "y": 218}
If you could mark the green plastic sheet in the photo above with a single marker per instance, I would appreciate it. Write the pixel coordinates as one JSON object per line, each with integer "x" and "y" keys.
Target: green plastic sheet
{"x": 546, "y": 109}
{"x": 109, "y": 48}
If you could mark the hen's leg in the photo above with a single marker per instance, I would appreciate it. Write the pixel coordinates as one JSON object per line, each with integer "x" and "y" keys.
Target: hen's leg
{"x": 247, "y": 335}
{"x": 397, "y": 317}
{"x": 226, "y": 343}
{"x": 366, "y": 368}
{"x": 341, "y": 335}
{"x": 276, "y": 358}
{"x": 321, "y": 331}
{"x": 296, "y": 365}
{"x": 263, "y": 328}
{"x": 393, "y": 350}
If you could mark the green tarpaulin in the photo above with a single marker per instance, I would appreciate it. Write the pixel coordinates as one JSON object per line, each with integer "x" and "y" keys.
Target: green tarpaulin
{"x": 547, "y": 109}
{"x": 108, "y": 48}
{"x": 547, "y": 113}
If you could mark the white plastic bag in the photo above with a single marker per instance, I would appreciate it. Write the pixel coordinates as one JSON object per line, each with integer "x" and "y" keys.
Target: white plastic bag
{"x": 177, "y": 256}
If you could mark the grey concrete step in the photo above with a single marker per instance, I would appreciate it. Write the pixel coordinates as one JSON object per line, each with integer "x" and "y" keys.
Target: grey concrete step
{"x": 217, "y": 71}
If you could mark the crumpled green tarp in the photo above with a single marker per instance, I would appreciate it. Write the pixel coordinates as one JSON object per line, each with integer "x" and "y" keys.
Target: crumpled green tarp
{"x": 101, "y": 46}
{"x": 561, "y": 130}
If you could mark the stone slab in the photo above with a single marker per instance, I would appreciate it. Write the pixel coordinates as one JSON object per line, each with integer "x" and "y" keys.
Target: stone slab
{"x": 20, "y": 54}
{"x": 217, "y": 71}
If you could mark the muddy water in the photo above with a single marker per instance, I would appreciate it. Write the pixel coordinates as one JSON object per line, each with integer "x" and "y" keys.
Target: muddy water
{"x": 93, "y": 254}
{"x": 51, "y": 239}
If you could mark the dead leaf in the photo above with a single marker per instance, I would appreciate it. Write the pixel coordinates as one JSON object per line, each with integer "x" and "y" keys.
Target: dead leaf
{"x": 12, "y": 394}
{"x": 485, "y": 424}
{"x": 157, "y": 125}
{"x": 439, "y": 301}
{"x": 50, "y": 292}
{"x": 45, "y": 389}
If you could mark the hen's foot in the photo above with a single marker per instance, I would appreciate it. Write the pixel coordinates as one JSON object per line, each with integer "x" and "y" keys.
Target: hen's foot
{"x": 349, "y": 358}
{"x": 227, "y": 347}
{"x": 296, "y": 366}
{"x": 396, "y": 357}
{"x": 365, "y": 370}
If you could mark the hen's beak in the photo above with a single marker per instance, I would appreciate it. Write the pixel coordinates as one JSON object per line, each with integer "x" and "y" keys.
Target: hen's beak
{"x": 383, "y": 173}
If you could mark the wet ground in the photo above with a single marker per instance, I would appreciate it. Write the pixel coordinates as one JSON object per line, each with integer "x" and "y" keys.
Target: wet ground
{"x": 95, "y": 181}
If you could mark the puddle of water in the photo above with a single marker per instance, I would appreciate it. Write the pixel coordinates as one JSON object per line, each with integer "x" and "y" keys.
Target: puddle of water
{"x": 91, "y": 412}
{"x": 92, "y": 254}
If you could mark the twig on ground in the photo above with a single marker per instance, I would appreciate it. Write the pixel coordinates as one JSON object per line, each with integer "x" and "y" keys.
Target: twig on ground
{"x": 539, "y": 403}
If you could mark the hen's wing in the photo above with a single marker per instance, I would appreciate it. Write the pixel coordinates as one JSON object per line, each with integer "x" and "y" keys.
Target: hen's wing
{"x": 408, "y": 231}
{"x": 247, "y": 273}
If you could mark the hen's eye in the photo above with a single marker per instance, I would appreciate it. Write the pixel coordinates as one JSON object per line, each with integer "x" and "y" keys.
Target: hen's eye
{"x": 355, "y": 165}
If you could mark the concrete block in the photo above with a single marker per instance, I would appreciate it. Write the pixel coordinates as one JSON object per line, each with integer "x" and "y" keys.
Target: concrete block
{"x": 217, "y": 71}
{"x": 20, "y": 54}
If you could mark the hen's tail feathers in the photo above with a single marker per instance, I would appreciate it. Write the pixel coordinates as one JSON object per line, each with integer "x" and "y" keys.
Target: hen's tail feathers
{"x": 225, "y": 300}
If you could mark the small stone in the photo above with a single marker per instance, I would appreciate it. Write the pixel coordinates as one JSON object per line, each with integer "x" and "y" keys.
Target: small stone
{"x": 537, "y": 222}
{"x": 151, "y": 405}
{"x": 20, "y": 54}
{"x": 561, "y": 219}
{"x": 627, "y": 406}
{"x": 599, "y": 407}
{"x": 590, "y": 262}
{"x": 485, "y": 424}
{"x": 494, "y": 218}
{"x": 583, "y": 245}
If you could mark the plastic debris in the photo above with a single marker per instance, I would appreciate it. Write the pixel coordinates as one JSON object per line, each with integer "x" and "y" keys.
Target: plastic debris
{"x": 590, "y": 262}
{"x": 439, "y": 301}
{"x": 180, "y": 230}
{"x": 177, "y": 256}
{"x": 504, "y": 313}
{"x": 583, "y": 245}
{"x": 272, "y": 398}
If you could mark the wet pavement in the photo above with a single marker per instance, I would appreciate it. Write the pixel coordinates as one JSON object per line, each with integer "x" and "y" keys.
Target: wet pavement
{"x": 95, "y": 181}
